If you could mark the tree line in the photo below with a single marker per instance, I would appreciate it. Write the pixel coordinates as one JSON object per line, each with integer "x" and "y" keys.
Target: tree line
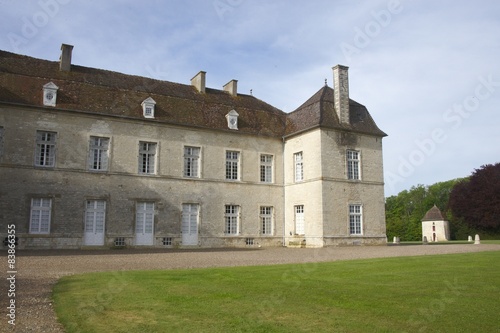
{"x": 470, "y": 204}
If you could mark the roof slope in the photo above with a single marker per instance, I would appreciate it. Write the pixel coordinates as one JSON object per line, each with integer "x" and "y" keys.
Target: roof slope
{"x": 319, "y": 110}
{"x": 433, "y": 214}
{"x": 106, "y": 92}
{"x": 111, "y": 93}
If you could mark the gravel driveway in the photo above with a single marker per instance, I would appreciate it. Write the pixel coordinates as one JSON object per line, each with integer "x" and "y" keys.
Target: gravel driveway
{"x": 38, "y": 271}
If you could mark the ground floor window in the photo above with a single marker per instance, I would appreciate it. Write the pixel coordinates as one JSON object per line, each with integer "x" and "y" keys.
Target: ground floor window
{"x": 355, "y": 219}
{"x": 40, "y": 215}
{"x": 299, "y": 220}
{"x": 231, "y": 218}
{"x": 266, "y": 220}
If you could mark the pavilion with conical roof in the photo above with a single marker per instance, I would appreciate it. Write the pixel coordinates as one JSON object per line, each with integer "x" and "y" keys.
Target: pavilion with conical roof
{"x": 434, "y": 226}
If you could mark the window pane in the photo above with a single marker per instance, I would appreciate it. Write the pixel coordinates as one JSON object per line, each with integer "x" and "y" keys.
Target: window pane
{"x": 352, "y": 164}
{"x": 299, "y": 170}
{"x": 45, "y": 149}
{"x": 355, "y": 219}
{"x": 98, "y": 158}
{"x": 266, "y": 168}
{"x": 191, "y": 161}
{"x": 232, "y": 163}
{"x": 231, "y": 219}
{"x": 147, "y": 157}
{"x": 40, "y": 215}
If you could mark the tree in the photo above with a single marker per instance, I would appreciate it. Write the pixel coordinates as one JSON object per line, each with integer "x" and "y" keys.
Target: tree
{"x": 405, "y": 211}
{"x": 477, "y": 200}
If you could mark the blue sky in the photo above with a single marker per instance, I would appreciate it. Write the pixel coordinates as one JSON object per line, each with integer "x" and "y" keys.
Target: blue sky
{"x": 428, "y": 71}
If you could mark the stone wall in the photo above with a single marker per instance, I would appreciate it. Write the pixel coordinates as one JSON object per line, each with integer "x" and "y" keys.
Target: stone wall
{"x": 70, "y": 183}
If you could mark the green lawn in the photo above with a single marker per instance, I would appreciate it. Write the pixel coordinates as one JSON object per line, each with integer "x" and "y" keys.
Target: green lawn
{"x": 442, "y": 293}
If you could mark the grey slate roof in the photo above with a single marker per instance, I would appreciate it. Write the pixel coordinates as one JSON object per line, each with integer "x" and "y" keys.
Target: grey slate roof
{"x": 319, "y": 110}
{"x": 433, "y": 214}
{"x": 110, "y": 93}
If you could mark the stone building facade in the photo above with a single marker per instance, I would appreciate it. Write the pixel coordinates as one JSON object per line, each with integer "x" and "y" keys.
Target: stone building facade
{"x": 435, "y": 228}
{"x": 93, "y": 158}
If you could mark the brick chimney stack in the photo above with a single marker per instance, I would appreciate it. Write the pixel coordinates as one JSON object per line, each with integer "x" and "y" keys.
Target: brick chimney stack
{"x": 341, "y": 92}
{"x": 65, "y": 59}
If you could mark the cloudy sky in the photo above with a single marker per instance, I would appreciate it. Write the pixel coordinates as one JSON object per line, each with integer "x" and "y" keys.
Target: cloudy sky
{"x": 428, "y": 71}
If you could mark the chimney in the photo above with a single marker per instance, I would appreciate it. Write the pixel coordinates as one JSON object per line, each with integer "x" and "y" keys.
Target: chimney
{"x": 198, "y": 81}
{"x": 231, "y": 87}
{"x": 65, "y": 59}
{"x": 341, "y": 92}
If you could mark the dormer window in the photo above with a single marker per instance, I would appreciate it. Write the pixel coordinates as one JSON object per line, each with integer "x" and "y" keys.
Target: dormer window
{"x": 50, "y": 94}
{"x": 232, "y": 119}
{"x": 148, "y": 108}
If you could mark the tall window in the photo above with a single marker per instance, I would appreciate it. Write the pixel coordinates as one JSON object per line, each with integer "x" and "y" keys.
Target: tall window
{"x": 232, "y": 165}
{"x": 300, "y": 224}
{"x": 231, "y": 217}
{"x": 40, "y": 215}
{"x": 144, "y": 217}
{"x": 266, "y": 168}
{"x": 352, "y": 164}
{"x": 45, "y": 153}
{"x": 95, "y": 214}
{"x": 191, "y": 162}
{"x": 355, "y": 219}
{"x": 98, "y": 153}
{"x": 299, "y": 166}
{"x": 266, "y": 220}
{"x": 147, "y": 157}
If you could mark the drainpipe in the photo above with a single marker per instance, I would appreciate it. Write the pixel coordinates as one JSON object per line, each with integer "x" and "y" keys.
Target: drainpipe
{"x": 284, "y": 191}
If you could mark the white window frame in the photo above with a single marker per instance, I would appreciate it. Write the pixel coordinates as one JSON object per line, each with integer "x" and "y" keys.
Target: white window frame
{"x": 45, "y": 151}
{"x": 232, "y": 220}
{"x": 148, "y": 108}
{"x": 266, "y": 168}
{"x": 266, "y": 220}
{"x": 94, "y": 210}
{"x": 355, "y": 219}
{"x": 353, "y": 158}
{"x": 147, "y": 157}
{"x": 144, "y": 215}
{"x": 299, "y": 209}
{"x": 41, "y": 208}
{"x": 298, "y": 161}
{"x": 192, "y": 156}
{"x": 98, "y": 153}
{"x": 233, "y": 158}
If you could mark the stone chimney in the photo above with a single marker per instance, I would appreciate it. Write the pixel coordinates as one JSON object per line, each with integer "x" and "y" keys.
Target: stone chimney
{"x": 341, "y": 92}
{"x": 65, "y": 59}
{"x": 198, "y": 81}
{"x": 231, "y": 87}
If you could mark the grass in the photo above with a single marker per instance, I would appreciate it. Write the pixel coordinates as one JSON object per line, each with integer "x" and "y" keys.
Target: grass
{"x": 449, "y": 242}
{"x": 442, "y": 293}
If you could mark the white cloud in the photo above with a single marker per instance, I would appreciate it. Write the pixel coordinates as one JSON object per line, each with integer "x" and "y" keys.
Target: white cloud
{"x": 409, "y": 72}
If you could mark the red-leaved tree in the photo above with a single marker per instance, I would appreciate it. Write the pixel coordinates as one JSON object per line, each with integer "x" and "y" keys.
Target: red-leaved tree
{"x": 477, "y": 199}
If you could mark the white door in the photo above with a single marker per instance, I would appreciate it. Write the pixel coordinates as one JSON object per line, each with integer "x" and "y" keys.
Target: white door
{"x": 95, "y": 212}
{"x": 299, "y": 220}
{"x": 190, "y": 214}
{"x": 144, "y": 223}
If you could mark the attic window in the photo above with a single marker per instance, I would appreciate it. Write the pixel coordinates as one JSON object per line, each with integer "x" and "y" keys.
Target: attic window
{"x": 232, "y": 119}
{"x": 50, "y": 94}
{"x": 148, "y": 108}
